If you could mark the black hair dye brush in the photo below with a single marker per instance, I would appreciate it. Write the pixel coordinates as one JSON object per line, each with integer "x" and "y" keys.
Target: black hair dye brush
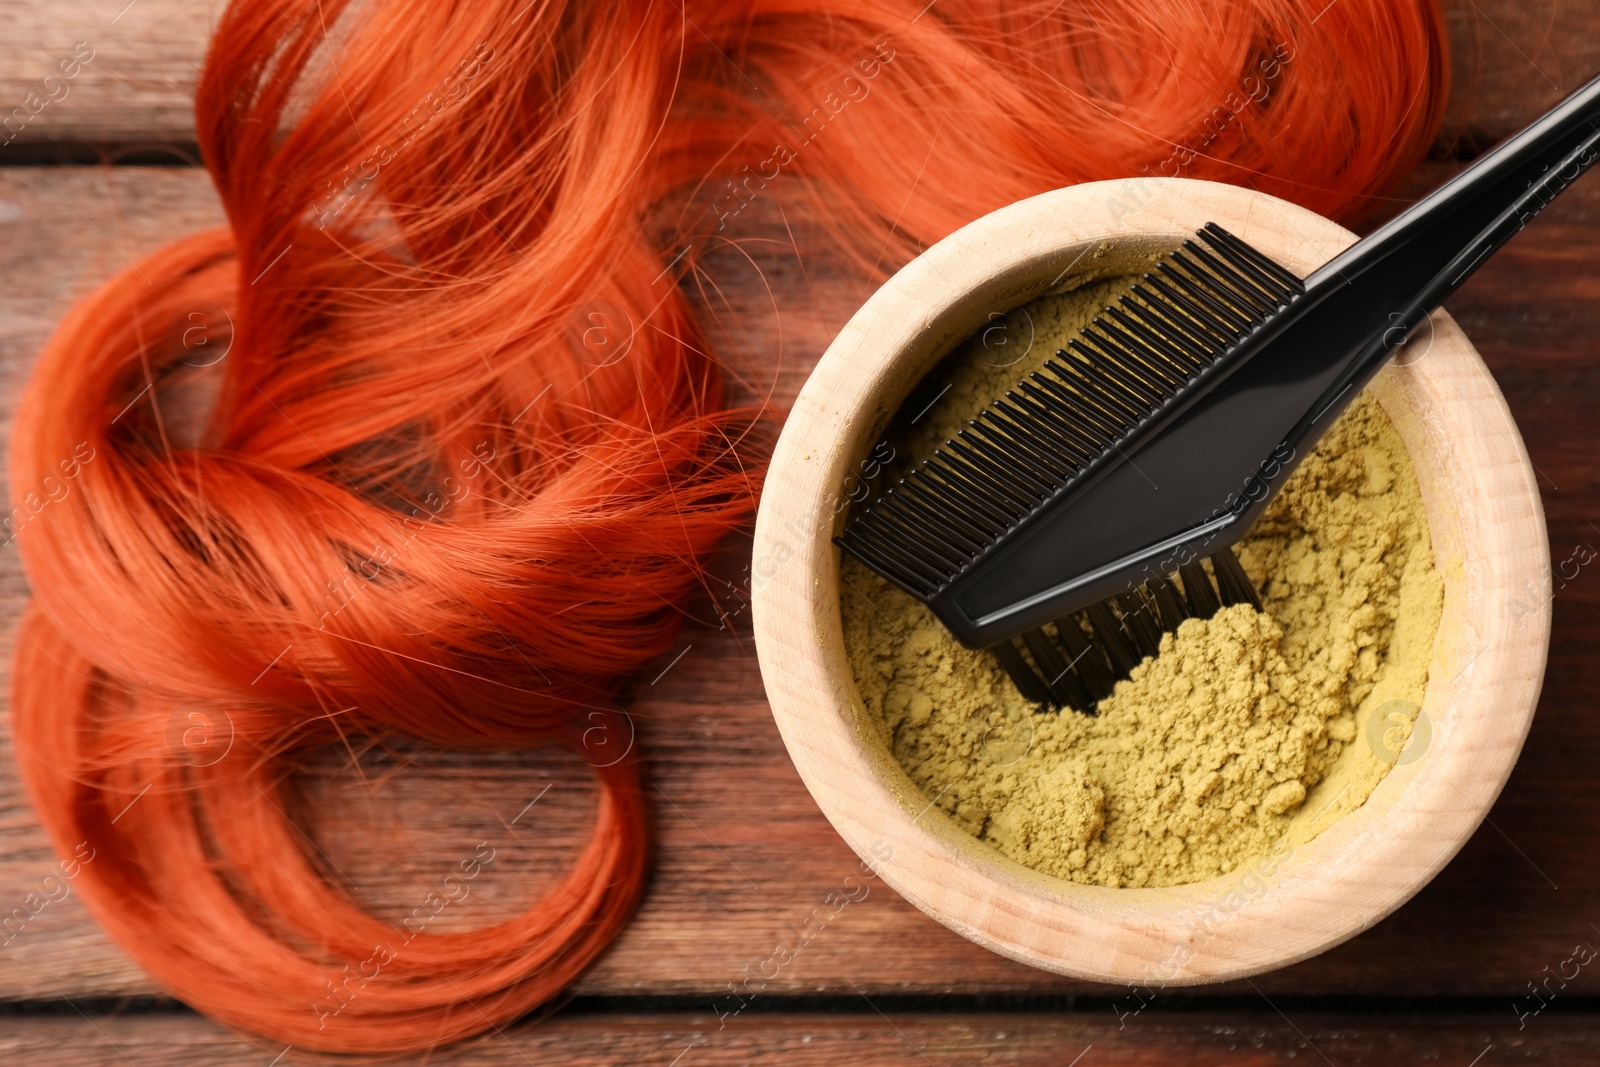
{"x": 1050, "y": 530}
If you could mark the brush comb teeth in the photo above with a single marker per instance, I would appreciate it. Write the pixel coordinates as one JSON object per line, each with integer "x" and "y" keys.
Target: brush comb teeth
{"x": 1018, "y": 531}
{"x": 1046, "y": 529}
{"x": 1077, "y": 660}
{"x": 1088, "y": 406}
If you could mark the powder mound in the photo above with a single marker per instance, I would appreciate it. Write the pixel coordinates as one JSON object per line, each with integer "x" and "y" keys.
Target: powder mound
{"x": 1206, "y": 749}
{"x": 1061, "y": 810}
{"x": 1242, "y": 737}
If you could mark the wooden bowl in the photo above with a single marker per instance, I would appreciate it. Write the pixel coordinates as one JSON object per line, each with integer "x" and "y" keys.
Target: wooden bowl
{"x": 1488, "y": 538}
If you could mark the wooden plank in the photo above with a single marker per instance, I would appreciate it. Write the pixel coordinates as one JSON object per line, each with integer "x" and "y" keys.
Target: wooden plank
{"x": 865, "y": 1037}
{"x": 744, "y": 856}
{"x": 137, "y": 85}
{"x": 1512, "y": 58}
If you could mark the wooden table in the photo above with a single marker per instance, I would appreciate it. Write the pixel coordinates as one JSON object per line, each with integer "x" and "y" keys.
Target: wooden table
{"x": 743, "y": 853}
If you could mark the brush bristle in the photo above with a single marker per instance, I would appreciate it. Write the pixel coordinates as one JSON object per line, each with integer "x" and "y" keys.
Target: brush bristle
{"x": 1077, "y": 661}
{"x": 1161, "y": 343}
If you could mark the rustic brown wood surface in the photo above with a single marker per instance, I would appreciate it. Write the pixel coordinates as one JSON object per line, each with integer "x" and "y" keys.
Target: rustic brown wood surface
{"x": 1513, "y": 58}
{"x": 864, "y": 1037}
{"x": 744, "y": 855}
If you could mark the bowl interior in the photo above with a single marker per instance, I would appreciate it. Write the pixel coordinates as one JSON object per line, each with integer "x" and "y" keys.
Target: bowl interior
{"x": 1489, "y": 544}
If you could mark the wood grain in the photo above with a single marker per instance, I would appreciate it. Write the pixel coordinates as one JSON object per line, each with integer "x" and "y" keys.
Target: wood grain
{"x": 744, "y": 853}
{"x": 139, "y": 85}
{"x": 1512, "y": 59}
{"x": 864, "y": 1037}
{"x": 1510, "y": 62}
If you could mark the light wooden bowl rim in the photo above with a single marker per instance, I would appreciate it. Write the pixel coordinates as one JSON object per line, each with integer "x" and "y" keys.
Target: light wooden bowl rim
{"x": 1489, "y": 542}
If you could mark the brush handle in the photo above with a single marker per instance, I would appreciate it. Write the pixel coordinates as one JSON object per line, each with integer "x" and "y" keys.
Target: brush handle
{"x": 1510, "y": 221}
{"x": 1522, "y": 173}
{"x": 1393, "y": 279}
{"x": 1194, "y": 483}
{"x": 1190, "y": 479}
{"x": 1428, "y": 251}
